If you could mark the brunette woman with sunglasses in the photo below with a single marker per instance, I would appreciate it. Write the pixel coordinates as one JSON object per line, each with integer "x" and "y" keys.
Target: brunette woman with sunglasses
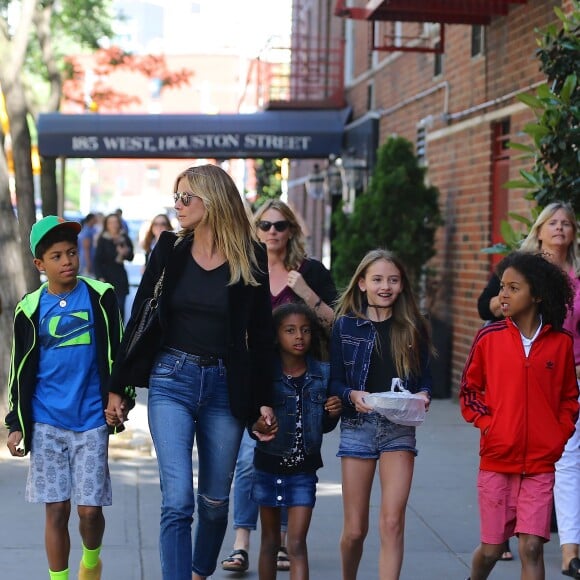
{"x": 212, "y": 364}
{"x": 294, "y": 277}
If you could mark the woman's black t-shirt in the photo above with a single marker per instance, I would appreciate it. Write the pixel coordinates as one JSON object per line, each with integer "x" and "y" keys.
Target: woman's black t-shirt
{"x": 198, "y": 308}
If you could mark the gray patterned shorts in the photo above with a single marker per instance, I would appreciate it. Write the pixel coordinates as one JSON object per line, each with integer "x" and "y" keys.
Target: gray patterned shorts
{"x": 69, "y": 465}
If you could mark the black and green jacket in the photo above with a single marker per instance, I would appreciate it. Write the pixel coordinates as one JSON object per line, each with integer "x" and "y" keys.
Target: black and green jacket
{"x": 25, "y": 352}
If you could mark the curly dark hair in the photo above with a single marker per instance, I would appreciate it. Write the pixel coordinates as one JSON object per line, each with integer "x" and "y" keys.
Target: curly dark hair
{"x": 547, "y": 281}
{"x": 317, "y": 348}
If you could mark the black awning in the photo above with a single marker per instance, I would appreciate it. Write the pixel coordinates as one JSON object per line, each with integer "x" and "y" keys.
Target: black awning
{"x": 266, "y": 134}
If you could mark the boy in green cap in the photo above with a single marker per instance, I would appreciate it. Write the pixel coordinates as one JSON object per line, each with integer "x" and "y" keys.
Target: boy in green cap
{"x": 66, "y": 335}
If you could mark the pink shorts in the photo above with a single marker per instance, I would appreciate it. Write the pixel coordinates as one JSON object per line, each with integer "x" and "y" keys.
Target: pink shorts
{"x": 514, "y": 504}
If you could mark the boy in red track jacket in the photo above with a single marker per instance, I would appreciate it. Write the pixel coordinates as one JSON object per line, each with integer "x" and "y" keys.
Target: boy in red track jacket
{"x": 519, "y": 389}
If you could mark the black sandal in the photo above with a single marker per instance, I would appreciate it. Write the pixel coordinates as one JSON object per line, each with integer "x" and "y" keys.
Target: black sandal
{"x": 237, "y": 561}
{"x": 573, "y": 569}
{"x": 282, "y": 560}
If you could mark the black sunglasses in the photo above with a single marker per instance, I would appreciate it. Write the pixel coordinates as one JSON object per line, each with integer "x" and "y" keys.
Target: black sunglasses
{"x": 280, "y": 226}
{"x": 184, "y": 196}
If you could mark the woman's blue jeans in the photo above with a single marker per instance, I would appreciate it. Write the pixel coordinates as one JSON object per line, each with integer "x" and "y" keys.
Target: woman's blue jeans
{"x": 245, "y": 508}
{"x": 187, "y": 403}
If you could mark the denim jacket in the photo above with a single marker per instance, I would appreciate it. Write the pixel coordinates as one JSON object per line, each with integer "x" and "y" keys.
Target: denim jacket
{"x": 351, "y": 347}
{"x": 315, "y": 421}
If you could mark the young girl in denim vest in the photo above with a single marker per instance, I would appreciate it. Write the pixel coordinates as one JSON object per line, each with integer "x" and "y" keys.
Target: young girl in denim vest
{"x": 285, "y": 468}
{"x": 379, "y": 334}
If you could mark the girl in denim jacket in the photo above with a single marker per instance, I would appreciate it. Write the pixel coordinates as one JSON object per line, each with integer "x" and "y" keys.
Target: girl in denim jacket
{"x": 378, "y": 335}
{"x": 285, "y": 468}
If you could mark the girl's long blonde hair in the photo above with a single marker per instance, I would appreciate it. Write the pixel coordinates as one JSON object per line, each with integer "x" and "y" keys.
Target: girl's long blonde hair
{"x": 295, "y": 250}
{"x": 532, "y": 243}
{"x": 226, "y": 217}
{"x": 409, "y": 330}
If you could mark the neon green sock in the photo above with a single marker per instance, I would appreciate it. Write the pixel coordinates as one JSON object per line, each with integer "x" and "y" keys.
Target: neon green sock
{"x": 62, "y": 575}
{"x": 91, "y": 557}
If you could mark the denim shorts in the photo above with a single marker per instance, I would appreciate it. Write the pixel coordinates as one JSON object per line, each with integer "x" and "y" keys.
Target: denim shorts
{"x": 271, "y": 490}
{"x": 367, "y": 435}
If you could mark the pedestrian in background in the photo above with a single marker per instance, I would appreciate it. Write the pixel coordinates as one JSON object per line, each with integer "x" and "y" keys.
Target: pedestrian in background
{"x": 212, "y": 362}
{"x": 87, "y": 245}
{"x": 160, "y": 223}
{"x": 294, "y": 277}
{"x": 379, "y": 334}
{"x": 114, "y": 246}
{"x": 285, "y": 468}
{"x": 519, "y": 389}
{"x": 65, "y": 335}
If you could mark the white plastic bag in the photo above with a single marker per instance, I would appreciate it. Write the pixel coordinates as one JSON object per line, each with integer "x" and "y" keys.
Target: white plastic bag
{"x": 398, "y": 405}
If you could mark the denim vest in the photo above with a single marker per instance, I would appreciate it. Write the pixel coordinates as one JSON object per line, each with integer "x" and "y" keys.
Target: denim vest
{"x": 315, "y": 421}
{"x": 351, "y": 347}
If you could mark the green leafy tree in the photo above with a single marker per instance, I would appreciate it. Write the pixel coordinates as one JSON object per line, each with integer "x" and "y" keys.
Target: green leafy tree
{"x": 268, "y": 180}
{"x": 398, "y": 212}
{"x": 555, "y": 131}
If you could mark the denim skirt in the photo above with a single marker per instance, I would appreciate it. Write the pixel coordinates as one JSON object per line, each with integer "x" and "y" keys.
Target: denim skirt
{"x": 271, "y": 490}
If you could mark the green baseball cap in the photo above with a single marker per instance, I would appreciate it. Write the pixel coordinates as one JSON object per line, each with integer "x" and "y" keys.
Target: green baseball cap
{"x": 47, "y": 224}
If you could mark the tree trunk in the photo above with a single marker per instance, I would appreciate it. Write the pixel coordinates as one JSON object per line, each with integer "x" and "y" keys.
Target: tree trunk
{"x": 13, "y": 286}
{"x": 24, "y": 183}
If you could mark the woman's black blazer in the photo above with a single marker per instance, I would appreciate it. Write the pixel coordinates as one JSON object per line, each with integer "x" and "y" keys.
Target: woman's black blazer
{"x": 250, "y": 341}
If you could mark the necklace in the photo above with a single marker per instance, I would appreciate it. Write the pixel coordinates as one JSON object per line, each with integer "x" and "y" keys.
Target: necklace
{"x": 295, "y": 372}
{"x": 62, "y": 301}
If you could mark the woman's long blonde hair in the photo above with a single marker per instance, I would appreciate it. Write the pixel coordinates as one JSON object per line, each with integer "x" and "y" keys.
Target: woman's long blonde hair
{"x": 226, "y": 217}
{"x": 409, "y": 330}
{"x": 295, "y": 250}
{"x": 532, "y": 243}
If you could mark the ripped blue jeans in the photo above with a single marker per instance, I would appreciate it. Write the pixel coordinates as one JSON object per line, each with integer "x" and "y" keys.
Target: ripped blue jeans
{"x": 187, "y": 403}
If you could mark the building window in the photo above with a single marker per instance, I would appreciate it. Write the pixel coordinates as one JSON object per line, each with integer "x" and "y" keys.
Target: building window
{"x": 500, "y": 163}
{"x": 398, "y": 33}
{"x": 421, "y": 144}
{"x": 477, "y": 40}
{"x": 438, "y": 61}
{"x": 371, "y": 96}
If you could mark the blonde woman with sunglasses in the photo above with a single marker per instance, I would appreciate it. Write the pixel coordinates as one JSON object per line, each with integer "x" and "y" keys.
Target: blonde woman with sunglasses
{"x": 212, "y": 362}
{"x": 294, "y": 277}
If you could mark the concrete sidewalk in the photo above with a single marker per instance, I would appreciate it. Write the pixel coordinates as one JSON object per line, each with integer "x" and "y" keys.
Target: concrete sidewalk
{"x": 441, "y": 529}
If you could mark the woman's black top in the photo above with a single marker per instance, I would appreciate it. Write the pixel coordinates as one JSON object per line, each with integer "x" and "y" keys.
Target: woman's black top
{"x": 198, "y": 311}
{"x": 491, "y": 290}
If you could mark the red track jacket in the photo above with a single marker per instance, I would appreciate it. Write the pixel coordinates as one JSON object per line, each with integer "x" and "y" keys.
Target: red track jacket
{"x": 525, "y": 408}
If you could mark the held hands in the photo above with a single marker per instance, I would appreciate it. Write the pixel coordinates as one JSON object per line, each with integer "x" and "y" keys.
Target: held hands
{"x": 266, "y": 427}
{"x": 116, "y": 412}
{"x": 13, "y": 443}
{"x": 333, "y": 406}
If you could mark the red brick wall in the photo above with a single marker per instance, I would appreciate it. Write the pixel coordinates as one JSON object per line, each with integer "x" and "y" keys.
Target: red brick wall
{"x": 479, "y": 92}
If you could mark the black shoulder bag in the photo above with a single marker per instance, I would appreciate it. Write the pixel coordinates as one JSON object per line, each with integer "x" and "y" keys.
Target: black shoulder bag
{"x": 146, "y": 321}
{"x": 144, "y": 337}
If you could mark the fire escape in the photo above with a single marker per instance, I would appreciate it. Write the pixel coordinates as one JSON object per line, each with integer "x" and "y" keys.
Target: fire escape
{"x": 308, "y": 74}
